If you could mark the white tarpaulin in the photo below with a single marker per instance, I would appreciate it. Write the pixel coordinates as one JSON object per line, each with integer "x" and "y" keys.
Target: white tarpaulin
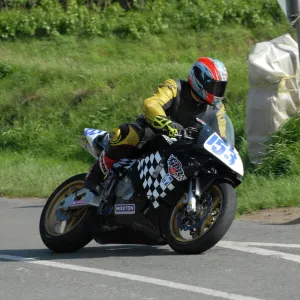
{"x": 274, "y": 90}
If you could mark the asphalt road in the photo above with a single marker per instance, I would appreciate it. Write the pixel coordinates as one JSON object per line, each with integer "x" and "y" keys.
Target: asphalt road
{"x": 253, "y": 261}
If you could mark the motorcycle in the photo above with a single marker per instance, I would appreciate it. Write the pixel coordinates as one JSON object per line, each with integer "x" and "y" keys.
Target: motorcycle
{"x": 176, "y": 191}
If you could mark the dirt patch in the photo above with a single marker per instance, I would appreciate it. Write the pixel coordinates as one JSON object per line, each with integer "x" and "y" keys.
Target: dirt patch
{"x": 279, "y": 216}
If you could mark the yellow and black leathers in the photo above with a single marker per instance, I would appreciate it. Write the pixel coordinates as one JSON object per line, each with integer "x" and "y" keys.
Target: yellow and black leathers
{"x": 170, "y": 109}
{"x": 174, "y": 100}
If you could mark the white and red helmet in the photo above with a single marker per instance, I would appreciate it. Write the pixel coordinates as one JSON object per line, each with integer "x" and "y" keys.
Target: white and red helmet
{"x": 208, "y": 79}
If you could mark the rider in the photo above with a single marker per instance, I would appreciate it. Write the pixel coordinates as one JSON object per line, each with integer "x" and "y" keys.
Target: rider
{"x": 172, "y": 108}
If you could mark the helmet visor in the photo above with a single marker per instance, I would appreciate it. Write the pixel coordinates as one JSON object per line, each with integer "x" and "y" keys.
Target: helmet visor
{"x": 214, "y": 87}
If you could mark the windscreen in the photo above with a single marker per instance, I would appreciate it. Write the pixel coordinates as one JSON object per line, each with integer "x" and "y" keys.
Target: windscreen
{"x": 222, "y": 125}
{"x": 226, "y": 131}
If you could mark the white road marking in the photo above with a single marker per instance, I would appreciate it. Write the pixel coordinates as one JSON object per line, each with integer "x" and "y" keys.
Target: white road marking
{"x": 246, "y": 247}
{"x": 23, "y": 269}
{"x": 143, "y": 279}
{"x": 271, "y": 244}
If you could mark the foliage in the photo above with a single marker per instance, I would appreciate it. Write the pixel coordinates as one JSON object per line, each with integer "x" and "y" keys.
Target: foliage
{"x": 283, "y": 150}
{"x": 28, "y": 4}
{"x": 5, "y": 70}
{"x": 51, "y": 17}
{"x": 263, "y": 192}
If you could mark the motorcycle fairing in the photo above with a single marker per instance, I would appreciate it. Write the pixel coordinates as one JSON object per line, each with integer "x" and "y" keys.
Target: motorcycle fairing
{"x": 153, "y": 176}
{"x": 124, "y": 163}
{"x": 156, "y": 180}
{"x": 225, "y": 153}
{"x": 88, "y": 139}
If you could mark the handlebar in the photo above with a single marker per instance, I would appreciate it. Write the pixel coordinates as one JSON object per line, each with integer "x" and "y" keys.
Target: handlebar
{"x": 189, "y": 133}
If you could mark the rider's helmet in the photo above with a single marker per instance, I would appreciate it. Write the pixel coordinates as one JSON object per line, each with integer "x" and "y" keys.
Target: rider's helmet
{"x": 208, "y": 79}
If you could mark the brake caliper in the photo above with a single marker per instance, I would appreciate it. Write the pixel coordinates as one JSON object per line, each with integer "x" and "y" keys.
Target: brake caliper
{"x": 190, "y": 222}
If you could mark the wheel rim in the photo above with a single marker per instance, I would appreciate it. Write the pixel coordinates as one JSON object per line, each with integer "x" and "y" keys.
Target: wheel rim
{"x": 185, "y": 227}
{"x": 53, "y": 225}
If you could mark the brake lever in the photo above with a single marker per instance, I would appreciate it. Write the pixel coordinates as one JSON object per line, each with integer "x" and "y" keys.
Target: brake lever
{"x": 184, "y": 136}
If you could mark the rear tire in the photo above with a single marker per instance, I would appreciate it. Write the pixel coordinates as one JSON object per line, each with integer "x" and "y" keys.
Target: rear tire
{"x": 217, "y": 230}
{"x": 77, "y": 236}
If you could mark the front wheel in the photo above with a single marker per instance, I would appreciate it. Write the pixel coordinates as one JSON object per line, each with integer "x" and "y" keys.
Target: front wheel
{"x": 66, "y": 231}
{"x": 194, "y": 234}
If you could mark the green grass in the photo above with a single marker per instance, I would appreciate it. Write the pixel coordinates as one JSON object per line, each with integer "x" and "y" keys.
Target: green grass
{"x": 260, "y": 192}
{"x": 27, "y": 176}
{"x": 51, "y": 89}
{"x": 24, "y": 175}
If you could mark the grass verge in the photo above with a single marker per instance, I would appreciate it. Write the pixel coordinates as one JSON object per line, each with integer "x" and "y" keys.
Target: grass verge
{"x": 23, "y": 175}
{"x": 261, "y": 192}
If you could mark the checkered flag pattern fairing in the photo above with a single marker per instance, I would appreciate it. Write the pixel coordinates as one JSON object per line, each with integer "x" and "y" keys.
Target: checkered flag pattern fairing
{"x": 155, "y": 187}
{"x": 124, "y": 163}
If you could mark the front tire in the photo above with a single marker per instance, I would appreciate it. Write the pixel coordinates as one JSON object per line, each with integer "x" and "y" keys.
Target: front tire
{"x": 214, "y": 232}
{"x": 77, "y": 229}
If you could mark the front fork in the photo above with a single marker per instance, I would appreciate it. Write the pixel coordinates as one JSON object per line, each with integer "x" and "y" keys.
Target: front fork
{"x": 197, "y": 187}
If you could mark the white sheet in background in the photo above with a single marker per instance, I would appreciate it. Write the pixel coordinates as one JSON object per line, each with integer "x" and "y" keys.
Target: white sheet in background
{"x": 273, "y": 96}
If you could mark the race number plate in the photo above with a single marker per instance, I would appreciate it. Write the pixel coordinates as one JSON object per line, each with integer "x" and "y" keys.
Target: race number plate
{"x": 224, "y": 152}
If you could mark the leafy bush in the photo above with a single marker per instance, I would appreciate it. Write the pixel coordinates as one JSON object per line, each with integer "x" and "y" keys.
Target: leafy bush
{"x": 5, "y": 69}
{"x": 51, "y": 17}
{"x": 283, "y": 150}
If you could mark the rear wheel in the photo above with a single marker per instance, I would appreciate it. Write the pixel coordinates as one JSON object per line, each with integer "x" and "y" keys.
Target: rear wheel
{"x": 66, "y": 231}
{"x": 196, "y": 233}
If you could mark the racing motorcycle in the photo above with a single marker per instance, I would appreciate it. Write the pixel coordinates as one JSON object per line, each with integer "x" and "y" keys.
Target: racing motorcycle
{"x": 176, "y": 191}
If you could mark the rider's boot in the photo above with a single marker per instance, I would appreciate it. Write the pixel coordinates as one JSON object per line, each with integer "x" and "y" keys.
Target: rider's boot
{"x": 97, "y": 174}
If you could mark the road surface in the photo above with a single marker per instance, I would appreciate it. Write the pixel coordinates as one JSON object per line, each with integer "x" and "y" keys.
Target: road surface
{"x": 252, "y": 262}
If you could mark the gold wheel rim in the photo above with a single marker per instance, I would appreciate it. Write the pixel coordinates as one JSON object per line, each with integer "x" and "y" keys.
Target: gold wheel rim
{"x": 208, "y": 222}
{"x": 52, "y": 224}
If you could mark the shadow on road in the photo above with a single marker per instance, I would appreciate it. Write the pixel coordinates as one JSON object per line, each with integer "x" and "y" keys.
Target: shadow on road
{"x": 292, "y": 222}
{"x": 93, "y": 252}
{"x": 29, "y": 206}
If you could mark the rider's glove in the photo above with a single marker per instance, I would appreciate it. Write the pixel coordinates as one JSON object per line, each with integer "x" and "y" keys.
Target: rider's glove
{"x": 167, "y": 126}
